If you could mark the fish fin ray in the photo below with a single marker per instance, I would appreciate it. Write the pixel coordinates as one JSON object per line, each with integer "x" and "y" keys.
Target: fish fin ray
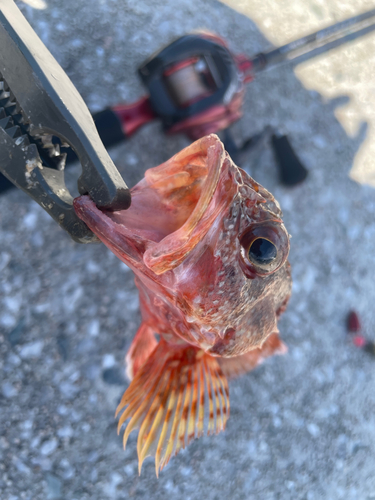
{"x": 137, "y": 412}
{"x": 181, "y": 435}
{"x": 201, "y": 394}
{"x": 211, "y": 402}
{"x": 151, "y": 425}
{"x": 223, "y": 401}
{"x": 141, "y": 347}
{"x": 166, "y": 401}
{"x": 165, "y": 434}
{"x": 216, "y": 402}
{"x": 192, "y": 421}
{"x": 171, "y": 446}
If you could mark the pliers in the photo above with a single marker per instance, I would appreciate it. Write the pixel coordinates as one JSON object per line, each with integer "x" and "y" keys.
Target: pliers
{"x": 42, "y": 113}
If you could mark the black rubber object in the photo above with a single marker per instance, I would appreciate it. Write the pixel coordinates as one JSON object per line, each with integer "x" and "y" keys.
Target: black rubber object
{"x": 291, "y": 170}
{"x": 109, "y": 127}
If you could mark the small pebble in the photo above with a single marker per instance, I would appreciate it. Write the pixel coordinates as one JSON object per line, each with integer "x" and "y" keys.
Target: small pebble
{"x": 93, "y": 328}
{"x": 32, "y": 349}
{"x": 65, "y": 432}
{"x": 54, "y": 486}
{"x": 30, "y": 220}
{"x": 112, "y": 376}
{"x": 63, "y": 346}
{"x": 15, "y": 335}
{"x": 48, "y": 447}
{"x": 108, "y": 361}
{"x": 7, "y": 320}
{"x": 8, "y": 390}
{"x": 313, "y": 429}
{"x": 68, "y": 390}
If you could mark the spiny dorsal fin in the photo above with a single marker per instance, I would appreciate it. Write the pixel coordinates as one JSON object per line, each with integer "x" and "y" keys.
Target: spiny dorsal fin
{"x": 179, "y": 394}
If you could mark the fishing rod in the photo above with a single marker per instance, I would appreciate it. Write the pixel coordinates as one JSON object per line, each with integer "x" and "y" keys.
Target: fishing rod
{"x": 316, "y": 43}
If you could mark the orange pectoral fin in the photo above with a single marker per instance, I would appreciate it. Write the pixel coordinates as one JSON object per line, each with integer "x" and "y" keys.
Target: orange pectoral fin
{"x": 238, "y": 365}
{"x": 177, "y": 395}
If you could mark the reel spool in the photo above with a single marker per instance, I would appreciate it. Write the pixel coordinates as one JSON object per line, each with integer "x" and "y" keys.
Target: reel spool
{"x": 193, "y": 82}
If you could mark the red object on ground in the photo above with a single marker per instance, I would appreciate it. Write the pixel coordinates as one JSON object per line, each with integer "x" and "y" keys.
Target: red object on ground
{"x": 359, "y": 341}
{"x": 354, "y": 325}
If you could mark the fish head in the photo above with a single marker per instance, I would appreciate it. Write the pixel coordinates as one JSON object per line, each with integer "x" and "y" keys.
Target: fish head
{"x": 234, "y": 279}
{"x": 202, "y": 235}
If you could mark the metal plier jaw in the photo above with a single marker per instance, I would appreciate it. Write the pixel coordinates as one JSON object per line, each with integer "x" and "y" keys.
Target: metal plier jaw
{"x": 39, "y": 103}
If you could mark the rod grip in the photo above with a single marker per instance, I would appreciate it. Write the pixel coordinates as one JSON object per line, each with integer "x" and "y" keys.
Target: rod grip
{"x": 109, "y": 127}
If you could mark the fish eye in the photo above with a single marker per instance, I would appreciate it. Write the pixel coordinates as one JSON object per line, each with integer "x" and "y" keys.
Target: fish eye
{"x": 262, "y": 251}
{"x": 264, "y": 248}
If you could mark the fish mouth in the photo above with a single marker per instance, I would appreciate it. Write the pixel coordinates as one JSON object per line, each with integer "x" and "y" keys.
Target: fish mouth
{"x": 171, "y": 211}
{"x": 168, "y": 205}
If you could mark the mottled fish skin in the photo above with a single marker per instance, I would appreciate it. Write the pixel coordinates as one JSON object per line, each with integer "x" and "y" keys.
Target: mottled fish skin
{"x": 187, "y": 237}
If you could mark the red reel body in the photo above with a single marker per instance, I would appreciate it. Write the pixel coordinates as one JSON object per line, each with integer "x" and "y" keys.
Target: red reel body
{"x": 196, "y": 87}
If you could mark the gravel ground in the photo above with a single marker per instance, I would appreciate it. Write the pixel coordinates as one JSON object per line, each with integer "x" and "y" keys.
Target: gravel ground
{"x": 302, "y": 426}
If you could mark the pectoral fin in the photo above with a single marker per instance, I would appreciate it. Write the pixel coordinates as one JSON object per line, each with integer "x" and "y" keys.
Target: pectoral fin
{"x": 178, "y": 394}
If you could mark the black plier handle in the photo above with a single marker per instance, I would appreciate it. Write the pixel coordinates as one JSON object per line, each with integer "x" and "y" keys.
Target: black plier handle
{"x": 38, "y": 103}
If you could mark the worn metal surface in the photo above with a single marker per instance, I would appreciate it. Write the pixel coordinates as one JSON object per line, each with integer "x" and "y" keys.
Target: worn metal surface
{"x": 302, "y": 426}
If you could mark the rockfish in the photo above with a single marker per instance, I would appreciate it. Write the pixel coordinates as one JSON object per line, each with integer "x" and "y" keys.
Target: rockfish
{"x": 209, "y": 252}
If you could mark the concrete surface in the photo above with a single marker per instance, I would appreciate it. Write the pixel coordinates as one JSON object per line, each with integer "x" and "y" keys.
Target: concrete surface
{"x": 302, "y": 426}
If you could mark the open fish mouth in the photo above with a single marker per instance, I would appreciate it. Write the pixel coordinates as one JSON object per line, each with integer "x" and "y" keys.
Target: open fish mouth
{"x": 169, "y": 205}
